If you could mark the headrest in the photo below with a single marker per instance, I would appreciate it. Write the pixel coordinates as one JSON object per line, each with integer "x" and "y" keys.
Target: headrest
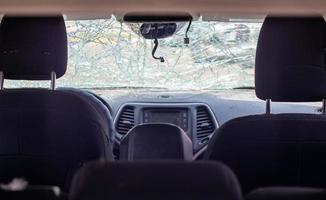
{"x": 35, "y": 192}
{"x": 290, "y": 59}
{"x": 286, "y": 193}
{"x": 32, "y": 47}
{"x": 155, "y": 180}
{"x": 156, "y": 141}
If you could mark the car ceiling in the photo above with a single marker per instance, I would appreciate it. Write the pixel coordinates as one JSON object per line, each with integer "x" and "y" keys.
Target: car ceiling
{"x": 208, "y": 9}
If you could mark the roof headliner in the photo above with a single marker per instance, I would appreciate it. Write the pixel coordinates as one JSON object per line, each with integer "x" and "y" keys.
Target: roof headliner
{"x": 89, "y": 9}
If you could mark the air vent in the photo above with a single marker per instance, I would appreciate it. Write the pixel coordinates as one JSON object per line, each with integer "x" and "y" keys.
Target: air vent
{"x": 205, "y": 125}
{"x": 126, "y": 120}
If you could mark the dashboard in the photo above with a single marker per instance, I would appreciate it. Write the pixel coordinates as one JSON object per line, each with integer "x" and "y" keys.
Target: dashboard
{"x": 196, "y": 119}
{"x": 198, "y": 114}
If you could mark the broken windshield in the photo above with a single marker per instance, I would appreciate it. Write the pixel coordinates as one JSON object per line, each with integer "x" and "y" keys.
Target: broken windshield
{"x": 108, "y": 54}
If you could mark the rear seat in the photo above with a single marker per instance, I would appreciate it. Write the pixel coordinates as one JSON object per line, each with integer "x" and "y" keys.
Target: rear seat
{"x": 32, "y": 193}
{"x": 287, "y": 193}
{"x": 155, "y": 180}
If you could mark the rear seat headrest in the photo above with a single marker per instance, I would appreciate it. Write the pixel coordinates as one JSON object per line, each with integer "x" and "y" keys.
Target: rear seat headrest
{"x": 31, "y": 192}
{"x": 290, "y": 59}
{"x": 286, "y": 193}
{"x": 32, "y": 47}
{"x": 156, "y": 141}
{"x": 155, "y": 180}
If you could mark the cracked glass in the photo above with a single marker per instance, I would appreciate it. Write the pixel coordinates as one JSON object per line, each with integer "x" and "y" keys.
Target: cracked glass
{"x": 107, "y": 54}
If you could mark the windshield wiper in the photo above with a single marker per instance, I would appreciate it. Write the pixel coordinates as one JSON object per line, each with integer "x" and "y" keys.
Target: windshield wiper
{"x": 244, "y": 88}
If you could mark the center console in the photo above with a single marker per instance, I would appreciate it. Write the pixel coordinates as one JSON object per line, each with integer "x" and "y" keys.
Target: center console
{"x": 176, "y": 116}
{"x": 196, "y": 119}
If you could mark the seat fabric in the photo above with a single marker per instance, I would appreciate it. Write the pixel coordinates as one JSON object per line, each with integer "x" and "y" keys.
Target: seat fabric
{"x": 155, "y": 180}
{"x": 31, "y": 47}
{"x": 33, "y": 193}
{"x": 287, "y": 193}
{"x": 45, "y": 134}
{"x": 281, "y": 149}
{"x": 290, "y": 59}
{"x": 51, "y": 134}
{"x": 262, "y": 151}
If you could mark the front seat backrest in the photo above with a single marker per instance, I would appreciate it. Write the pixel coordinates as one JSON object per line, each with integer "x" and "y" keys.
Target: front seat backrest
{"x": 281, "y": 149}
{"x": 176, "y": 180}
{"x": 46, "y": 134}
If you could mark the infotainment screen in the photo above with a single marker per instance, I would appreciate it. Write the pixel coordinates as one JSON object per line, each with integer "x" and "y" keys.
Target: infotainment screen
{"x": 177, "y": 117}
{"x": 168, "y": 117}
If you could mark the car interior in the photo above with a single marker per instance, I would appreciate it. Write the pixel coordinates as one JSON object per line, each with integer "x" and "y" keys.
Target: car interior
{"x": 173, "y": 100}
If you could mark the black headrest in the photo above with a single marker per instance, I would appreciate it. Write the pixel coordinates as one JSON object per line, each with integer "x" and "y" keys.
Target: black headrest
{"x": 290, "y": 59}
{"x": 156, "y": 141}
{"x": 32, "y": 47}
{"x": 155, "y": 180}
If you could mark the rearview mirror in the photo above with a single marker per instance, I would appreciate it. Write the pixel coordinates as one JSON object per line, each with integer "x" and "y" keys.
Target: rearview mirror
{"x": 157, "y": 30}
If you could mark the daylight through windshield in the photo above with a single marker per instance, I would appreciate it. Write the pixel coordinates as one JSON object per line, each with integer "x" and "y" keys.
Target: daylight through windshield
{"x": 108, "y": 54}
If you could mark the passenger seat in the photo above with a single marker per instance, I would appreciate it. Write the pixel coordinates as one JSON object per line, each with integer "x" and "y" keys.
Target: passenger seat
{"x": 281, "y": 149}
{"x": 46, "y": 134}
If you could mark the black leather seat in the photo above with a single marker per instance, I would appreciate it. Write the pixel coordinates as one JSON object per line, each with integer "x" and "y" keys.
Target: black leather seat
{"x": 46, "y": 134}
{"x": 281, "y": 149}
{"x": 153, "y": 141}
{"x": 287, "y": 193}
{"x": 155, "y": 180}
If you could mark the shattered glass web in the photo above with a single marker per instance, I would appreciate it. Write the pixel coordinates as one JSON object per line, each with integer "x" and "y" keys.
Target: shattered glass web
{"x": 107, "y": 53}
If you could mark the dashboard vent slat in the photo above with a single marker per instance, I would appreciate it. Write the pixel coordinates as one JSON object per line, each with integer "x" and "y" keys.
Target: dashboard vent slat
{"x": 126, "y": 120}
{"x": 205, "y": 125}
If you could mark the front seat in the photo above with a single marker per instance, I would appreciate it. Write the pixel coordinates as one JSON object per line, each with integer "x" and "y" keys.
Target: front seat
{"x": 281, "y": 149}
{"x": 45, "y": 134}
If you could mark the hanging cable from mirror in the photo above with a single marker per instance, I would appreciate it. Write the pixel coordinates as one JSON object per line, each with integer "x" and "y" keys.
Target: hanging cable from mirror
{"x": 154, "y": 50}
{"x": 186, "y": 39}
{"x": 156, "y": 45}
